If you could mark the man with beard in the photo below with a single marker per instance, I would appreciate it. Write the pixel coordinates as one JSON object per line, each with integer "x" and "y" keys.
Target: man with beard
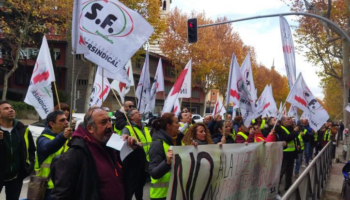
{"x": 90, "y": 169}
{"x": 120, "y": 120}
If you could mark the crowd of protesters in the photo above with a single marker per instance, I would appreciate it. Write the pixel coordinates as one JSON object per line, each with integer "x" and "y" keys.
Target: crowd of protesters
{"x": 79, "y": 165}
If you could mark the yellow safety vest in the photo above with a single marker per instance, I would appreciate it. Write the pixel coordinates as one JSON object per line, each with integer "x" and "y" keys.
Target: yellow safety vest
{"x": 27, "y": 144}
{"x": 315, "y": 137}
{"x": 243, "y": 135}
{"x": 146, "y": 139}
{"x": 327, "y": 135}
{"x": 290, "y": 144}
{"x": 301, "y": 140}
{"x": 159, "y": 187}
{"x": 186, "y": 129}
{"x": 117, "y": 131}
{"x": 44, "y": 169}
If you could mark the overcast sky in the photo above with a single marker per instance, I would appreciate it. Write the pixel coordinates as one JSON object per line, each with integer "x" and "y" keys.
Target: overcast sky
{"x": 262, "y": 34}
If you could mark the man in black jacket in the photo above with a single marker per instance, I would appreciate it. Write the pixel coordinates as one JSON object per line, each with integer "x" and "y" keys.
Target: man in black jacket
{"x": 90, "y": 169}
{"x": 288, "y": 134}
{"x": 17, "y": 152}
{"x": 120, "y": 120}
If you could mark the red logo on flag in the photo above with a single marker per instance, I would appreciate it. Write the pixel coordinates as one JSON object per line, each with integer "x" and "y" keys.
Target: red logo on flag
{"x": 81, "y": 41}
{"x": 178, "y": 83}
{"x": 234, "y": 94}
{"x": 41, "y": 77}
{"x": 104, "y": 92}
{"x": 175, "y": 109}
{"x": 266, "y": 105}
{"x": 300, "y": 100}
{"x": 123, "y": 85}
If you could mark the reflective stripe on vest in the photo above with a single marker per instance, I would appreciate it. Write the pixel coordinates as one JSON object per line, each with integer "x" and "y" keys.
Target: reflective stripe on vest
{"x": 262, "y": 125}
{"x": 119, "y": 132}
{"x": 146, "y": 139}
{"x": 44, "y": 169}
{"x": 27, "y": 144}
{"x": 261, "y": 139}
{"x": 301, "y": 139}
{"x": 290, "y": 144}
{"x": 243, "y": 135}
{"x": 159, "y": 187}
{"x": 327, "y": 135}
{"x": 233, "y": 135}
{"x": 315, "y": 137}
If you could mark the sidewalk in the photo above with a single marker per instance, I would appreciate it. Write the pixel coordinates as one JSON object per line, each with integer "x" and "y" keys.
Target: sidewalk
{"x": 334, "y": 183}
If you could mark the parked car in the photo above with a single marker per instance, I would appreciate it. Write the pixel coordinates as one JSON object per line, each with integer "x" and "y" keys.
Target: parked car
{"x": 197, "y": 118}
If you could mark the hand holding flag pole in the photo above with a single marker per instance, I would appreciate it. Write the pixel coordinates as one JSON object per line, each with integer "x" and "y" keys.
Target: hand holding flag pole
{"x": 127, "y": 119}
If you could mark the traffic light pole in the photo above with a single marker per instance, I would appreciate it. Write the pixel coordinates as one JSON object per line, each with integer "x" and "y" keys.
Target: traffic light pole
{"x": 337, "y": 29}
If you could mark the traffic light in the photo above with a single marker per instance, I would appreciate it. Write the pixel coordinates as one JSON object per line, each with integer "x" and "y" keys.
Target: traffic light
{"x": 192, "y": 30}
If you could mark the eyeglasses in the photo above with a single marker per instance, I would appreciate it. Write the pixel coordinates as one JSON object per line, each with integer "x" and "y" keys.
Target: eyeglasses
{"x": 131, "y": 106}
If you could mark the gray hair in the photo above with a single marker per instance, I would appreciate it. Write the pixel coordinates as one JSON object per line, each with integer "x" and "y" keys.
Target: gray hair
{"x": 88, "y": 119}
{"x": 129, "y": 113}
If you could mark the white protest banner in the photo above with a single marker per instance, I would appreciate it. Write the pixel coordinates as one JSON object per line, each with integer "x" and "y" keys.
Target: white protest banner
{"x": 301, "y": 97}
{"x": 247, "y": 75}
{"x": 157, "y": 86}
{"x": 39, "y": 93}
{"x": 121, "y": 87}
{"x": 112, "y": 33}
{"x": 100, "y": 89}
{"x": 175, "y": 90}
{"x": 347, "y": 108}
{"x": 186, "y": 88}
{"x": 288, "y": 51}
{"x": 233, "y": 171}
{"x": 219, "y": 108}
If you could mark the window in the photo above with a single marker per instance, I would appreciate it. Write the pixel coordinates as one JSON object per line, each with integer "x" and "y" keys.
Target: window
{"x": 23, "y": 75}
{"x": 23, "y": 54}
{"x": 195, "y": 94}
{"x": 57, "y": 54}
{"x": 170, "y": 72}
{"x": 32, "y": 53}
{"x": 213, "y": 93}
{"x": 164, "y": 5}
{"x": 82, "y": 82}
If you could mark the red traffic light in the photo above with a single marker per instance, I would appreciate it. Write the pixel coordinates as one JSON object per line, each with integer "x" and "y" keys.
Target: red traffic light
{"x": 190, "y": 25}
{"x": 192, "y": 30}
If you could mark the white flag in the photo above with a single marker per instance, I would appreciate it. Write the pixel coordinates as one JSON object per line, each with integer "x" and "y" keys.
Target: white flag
{"x": 347, "y": 108}
{"x": 177, "y": 107}
{"x": 186, "y": 89}
{"x": 39, "y": 93}
{"x": 78, "y": 43}
{"x": 175, "y": 90}
{"x": 305, "y": 115}
{"x": 247, "y": 116}
{"x": 234, "y": 83}
{"x": 100, "y": 89}
{"x": 112, "y": 33}
{"x": 247, "y": 75}
{"x": 157, "y": 86}
{"x": 288, "y": 51}
{"x": 271, "y": 109}
{"x": 144, "y": 87}
{"x": 261, "y": 104}
{"x": 301, "y": 97}
{"x": 219, "y": 108}
{"x": 121, "y": 87}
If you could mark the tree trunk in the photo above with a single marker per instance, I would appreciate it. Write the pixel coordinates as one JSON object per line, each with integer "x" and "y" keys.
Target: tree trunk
{"x": 345, "y": 51}
{"x": 89, "y": 86}
{"x": 18, "y": 50}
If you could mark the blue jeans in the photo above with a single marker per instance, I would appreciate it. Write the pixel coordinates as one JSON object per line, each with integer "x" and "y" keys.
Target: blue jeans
{"x": 298, "y": 162}
{"x": 307, "y": 152}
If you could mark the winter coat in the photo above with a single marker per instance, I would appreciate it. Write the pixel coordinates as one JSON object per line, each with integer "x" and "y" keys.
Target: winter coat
{"x": 24, "y": 169}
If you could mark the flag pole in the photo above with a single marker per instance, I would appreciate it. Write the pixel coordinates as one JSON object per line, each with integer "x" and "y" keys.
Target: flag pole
{"x": 127, "y": 119}
{"x": 58, "y": 99}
